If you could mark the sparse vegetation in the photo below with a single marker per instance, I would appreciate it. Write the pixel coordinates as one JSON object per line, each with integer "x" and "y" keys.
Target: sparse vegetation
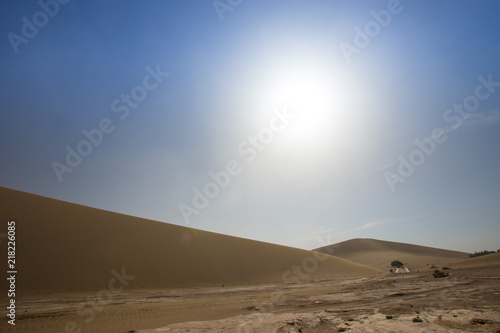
{"x": 438, "y": 274}
{"x": 397, "y": 263}
{"x": 252, "y": 308}
{"x": 481, "y": 321}
{"x": 417, "y": 319}
{"x": 481, "y": 253}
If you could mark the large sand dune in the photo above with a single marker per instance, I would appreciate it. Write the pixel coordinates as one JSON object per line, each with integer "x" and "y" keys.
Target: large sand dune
{"x": 67, "y": 247}
{"x": 379, "y": 254}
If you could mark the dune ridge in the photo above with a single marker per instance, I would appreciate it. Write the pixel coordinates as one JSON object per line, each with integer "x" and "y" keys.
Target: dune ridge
{"x": 68, "y": 247}
{"x": 379, "y": 253}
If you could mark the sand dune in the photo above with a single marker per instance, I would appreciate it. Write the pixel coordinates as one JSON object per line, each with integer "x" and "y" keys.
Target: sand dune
{"x": 68, "y": 247}
{"x": 379, "y": 254}
{"x": 73, "y": 260}
{"x": 487, "y": 260}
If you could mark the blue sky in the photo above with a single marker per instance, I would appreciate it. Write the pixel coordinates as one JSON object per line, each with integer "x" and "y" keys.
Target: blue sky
{"x": 325, "y": 120}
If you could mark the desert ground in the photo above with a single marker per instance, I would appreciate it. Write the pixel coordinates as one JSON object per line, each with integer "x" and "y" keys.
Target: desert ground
{"x": 81, "y": 269}
{"x": 466, "y": 301}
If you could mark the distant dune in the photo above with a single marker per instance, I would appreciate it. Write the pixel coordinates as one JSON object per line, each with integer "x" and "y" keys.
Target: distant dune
{"x": 379, "y": 254}
{"x": 67, "y": 247}
{"x": 487, "y": 260}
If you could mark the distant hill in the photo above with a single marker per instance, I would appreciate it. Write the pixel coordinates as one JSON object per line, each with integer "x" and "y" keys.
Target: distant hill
{"x": 62, "y": 246}
{"x": 379, "y": 253}
{"x": 486, "y": 260}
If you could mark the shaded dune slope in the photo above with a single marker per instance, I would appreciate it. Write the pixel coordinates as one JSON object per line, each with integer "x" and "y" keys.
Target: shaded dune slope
{"x": 379, "y": 254}
{"x": 67, "y": 247}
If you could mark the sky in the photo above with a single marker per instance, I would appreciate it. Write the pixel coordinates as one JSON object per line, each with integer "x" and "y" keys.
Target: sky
{"x": 301, "y": 123}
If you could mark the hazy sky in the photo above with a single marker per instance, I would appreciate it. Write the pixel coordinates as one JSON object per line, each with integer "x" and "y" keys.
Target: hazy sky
{"x": 320, "y": 121}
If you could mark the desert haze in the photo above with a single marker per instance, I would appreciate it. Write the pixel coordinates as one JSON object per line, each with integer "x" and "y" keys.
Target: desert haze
{"x": 82, "y": 269}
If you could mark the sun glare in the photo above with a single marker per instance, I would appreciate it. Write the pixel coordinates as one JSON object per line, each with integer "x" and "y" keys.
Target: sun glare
{"x": 320, "y": 106}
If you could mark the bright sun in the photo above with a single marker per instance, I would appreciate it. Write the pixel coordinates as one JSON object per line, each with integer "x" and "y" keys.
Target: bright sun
{"x": 319, "y": 105}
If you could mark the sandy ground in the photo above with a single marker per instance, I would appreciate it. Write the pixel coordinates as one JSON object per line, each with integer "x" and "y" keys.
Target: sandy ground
{"x": 359, "y": 305}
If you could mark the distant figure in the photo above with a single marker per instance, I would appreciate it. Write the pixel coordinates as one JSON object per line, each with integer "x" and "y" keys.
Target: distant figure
{"x": 223, "y": 285}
